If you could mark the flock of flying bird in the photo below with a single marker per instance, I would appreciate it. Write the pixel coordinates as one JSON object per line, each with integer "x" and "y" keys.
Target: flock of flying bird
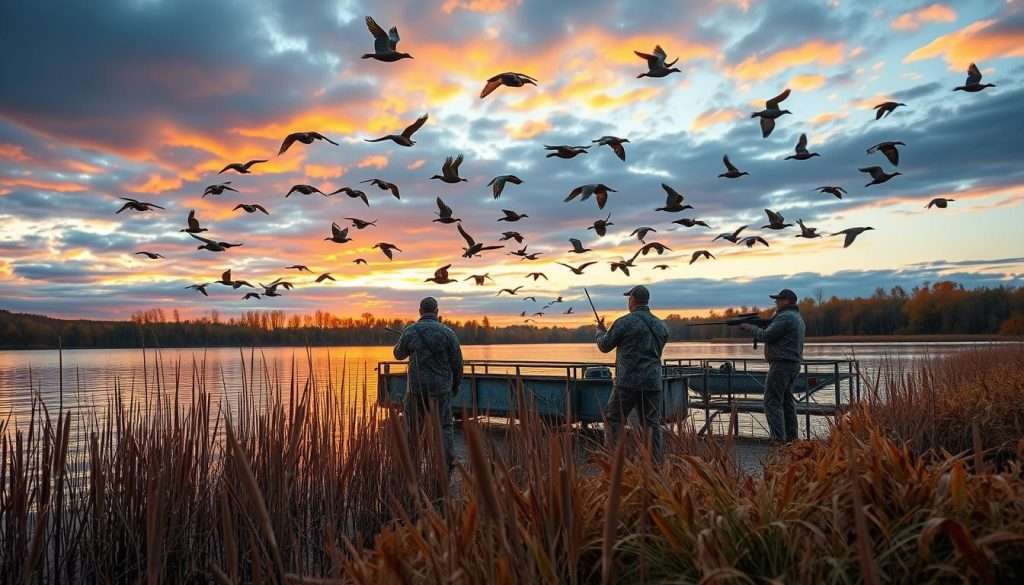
{"x": 658, "y": 66}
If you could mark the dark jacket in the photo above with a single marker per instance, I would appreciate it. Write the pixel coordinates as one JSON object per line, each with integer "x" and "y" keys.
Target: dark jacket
{"x": 435, "y": 358}
{"x": 784, "y": 336}
{"x": 640, "y": 338}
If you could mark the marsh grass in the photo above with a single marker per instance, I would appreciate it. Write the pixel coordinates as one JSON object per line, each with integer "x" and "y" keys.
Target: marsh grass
{"x": 306, "y": 481}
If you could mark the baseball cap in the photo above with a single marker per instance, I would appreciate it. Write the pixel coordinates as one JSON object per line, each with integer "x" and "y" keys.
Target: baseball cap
{"x": 428, "y": 305}
{"x": 638, "y": 292}
{"x": 785, "y": 294}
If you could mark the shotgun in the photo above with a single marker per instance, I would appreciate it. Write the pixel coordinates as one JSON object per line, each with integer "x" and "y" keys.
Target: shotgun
{"x": 752, "y": 318}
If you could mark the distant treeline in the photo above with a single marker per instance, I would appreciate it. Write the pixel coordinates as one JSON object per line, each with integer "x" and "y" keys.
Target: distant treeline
{"x": 941, "y": 308}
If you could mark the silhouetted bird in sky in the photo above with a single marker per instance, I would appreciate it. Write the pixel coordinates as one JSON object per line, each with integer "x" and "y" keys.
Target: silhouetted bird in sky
{"x": 750, "y": 241}
{"x": 807, "y": 232}
{"x": 242, "y": 168}
{"x": 497, "y": 184}
{"x": 878, "y": 176}
{"x": 251, "y": 208}
{"x": 352, "y": 194}
{"x": 690, "y": 222}
{"x": 304, "y": 190}
{"x": 973, "y": 82}
{"x": 360, "y": 224}
{"x": 384, "y": 186}
{"x": 192, "y": 224}
{"x": 444, "y": 213}
{"x": 600, "y": 226}
{"x": 473, "y": 248}
{"x": 199, "y": 288}
{"x": 801, "y": 150}
{"x": 479, "y": 278}
{"x": 656, "y": 63}
{"x": 730, "y": 236}
{"x": 701, "y": 254}
{"x": 298, "y": 268}
{"x": 673, "y": 201}
{"x": 770, "y": 112}
{"x": 212, "y": 245}
{"x": 405, "y": 138}
{"x": 565, "y": 151}
{"x": 615, "y": 143}
{"x": 883, "y": 109}
{"x": 150, "y": 255}
{"x": 218, "y": 189}
{"x": 851, "y": 234}
{"x": 505, "y": 236}
{"x": 577, "y": 269}
{"x": 641, "y": 233}
{"x": 775, "y": 221}
{"x": 304, "y": 138}
{"x": 598, "y": 190}
{"x": 508, "y": 79}
{"x": 577, "y": 247}
{"x": 388, "y": 249}
{"x": 441, "y": 276}
{"x": 731, "y": 172}
{"x": 385, "y": 44}
{"x": 940, "y": 202}
{"x": 136, "y": 205}
{"x": 512, "y": 216}
{"x": 325, "y": 276}
{"x": 338, "y": 235}
{"x": 450, "y": 170}
{"x": 889, "y": 150}
{"x": 835, "y": 190}
{"x": 511, "y": 291}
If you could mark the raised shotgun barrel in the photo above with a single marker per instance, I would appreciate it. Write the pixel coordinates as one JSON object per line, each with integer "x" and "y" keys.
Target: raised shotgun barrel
{"x": 752, "y": 318}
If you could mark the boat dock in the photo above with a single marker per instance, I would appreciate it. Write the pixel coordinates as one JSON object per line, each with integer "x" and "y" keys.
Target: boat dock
{"x": 699, "y": 389}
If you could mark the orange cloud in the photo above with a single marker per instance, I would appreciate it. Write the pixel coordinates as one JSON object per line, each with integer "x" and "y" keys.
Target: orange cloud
{"x": 975, "y": 42}
{"x": 417, "y": 164}
{"x": 324, "y": 171}
{"x": 157, "y": 183}
{"x": 819, "y": 52}
{"x": 714, "y": 117}
{"x": 603, "y": 101}
{"x": 827, "y": 117}
{"x": 913, "y": 19}
{"x": 527, "y": 129}
{"x": 377, "y": 161}
{"x": 450, "y": 6}
{"x": 58, "y": 186}
{"x": 13, "y": 152}
{"x": 807, "y": 82}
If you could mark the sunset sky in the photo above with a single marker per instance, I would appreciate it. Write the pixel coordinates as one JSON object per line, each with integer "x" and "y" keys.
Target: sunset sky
{"x": 150, "y": 98}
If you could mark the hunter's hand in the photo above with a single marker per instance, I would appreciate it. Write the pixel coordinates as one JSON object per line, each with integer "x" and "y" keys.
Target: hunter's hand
{"x": 747, "y": 327}
{"x": 601, "y": 326}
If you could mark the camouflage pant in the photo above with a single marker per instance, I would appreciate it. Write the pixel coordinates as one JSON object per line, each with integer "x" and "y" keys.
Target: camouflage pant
{"x": 779, "y": 404}
{"x": 417, "y": 406}
{"x": 648, "y": 405}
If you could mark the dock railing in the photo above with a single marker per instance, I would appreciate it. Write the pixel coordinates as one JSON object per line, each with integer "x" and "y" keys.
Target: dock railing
{"x": 716, "y": 386}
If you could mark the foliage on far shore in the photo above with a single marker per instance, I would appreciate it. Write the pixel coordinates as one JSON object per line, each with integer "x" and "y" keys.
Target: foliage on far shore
{"x": 942, "y": 308}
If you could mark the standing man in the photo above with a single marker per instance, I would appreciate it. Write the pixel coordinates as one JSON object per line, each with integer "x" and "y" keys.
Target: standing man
{"x": 784, "y": 349}
{"x": 435, "y": 374}
{"x": 639, "y": 338}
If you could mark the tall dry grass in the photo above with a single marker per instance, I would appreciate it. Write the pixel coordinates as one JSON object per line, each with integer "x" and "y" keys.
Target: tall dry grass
{"x": 298, "y": 485}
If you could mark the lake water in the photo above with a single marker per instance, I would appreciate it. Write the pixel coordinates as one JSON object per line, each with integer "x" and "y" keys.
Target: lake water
{"x": 91, "y": 376}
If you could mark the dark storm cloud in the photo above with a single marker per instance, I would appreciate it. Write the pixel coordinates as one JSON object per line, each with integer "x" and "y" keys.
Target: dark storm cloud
{"x": 918, "y": 91}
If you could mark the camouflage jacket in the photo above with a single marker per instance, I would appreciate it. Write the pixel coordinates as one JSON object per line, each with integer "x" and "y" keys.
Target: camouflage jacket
{"x": 639, "y": 338}
{"x": 784, "y": 336}
{"x": 435, "y": 357}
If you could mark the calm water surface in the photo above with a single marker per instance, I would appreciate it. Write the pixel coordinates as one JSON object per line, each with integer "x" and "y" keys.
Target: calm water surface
{"x": 90, "y": 377}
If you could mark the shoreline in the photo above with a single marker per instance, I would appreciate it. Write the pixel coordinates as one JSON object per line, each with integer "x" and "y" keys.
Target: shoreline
{"x": 827, "y": 340}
